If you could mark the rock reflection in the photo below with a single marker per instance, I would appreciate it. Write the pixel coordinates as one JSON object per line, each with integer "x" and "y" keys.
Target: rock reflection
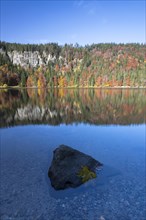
{"x": 56, "y": 106}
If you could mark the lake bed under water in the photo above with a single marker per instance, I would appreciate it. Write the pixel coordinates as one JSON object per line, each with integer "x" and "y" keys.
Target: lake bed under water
{"x": 27, "y": 147}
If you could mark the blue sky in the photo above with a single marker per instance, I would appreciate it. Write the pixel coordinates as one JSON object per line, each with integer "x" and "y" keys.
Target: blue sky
{"x": 84, "y": 22}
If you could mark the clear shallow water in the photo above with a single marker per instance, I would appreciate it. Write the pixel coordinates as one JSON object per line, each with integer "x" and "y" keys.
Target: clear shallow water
{"x": 117, "y": 193}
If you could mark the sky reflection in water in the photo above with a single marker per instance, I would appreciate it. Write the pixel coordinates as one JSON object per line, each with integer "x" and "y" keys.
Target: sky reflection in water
{"x": 26, "y": 153}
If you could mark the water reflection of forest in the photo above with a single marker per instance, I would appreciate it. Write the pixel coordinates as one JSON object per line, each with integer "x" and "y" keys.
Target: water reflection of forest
{"x": 93, "y": 106}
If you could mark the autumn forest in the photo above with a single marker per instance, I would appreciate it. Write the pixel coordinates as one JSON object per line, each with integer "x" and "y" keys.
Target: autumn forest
{"x": 71, "y": 66}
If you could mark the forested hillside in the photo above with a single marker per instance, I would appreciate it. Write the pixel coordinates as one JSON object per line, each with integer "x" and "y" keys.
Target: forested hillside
{"x": 51, "y": 65}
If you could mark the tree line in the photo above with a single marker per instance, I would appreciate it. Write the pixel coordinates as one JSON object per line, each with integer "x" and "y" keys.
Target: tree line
{"x": 96, "y": 65}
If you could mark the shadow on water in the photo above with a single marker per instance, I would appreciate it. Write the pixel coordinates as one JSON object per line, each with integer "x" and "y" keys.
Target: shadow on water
{"x": 104, "y": 175}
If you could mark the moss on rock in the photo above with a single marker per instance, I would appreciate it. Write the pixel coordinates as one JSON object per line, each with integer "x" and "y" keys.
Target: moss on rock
{"x": 86, "y": 174}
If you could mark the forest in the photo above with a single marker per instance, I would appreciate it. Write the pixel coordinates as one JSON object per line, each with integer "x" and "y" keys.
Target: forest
{"x": 96, "y": 65}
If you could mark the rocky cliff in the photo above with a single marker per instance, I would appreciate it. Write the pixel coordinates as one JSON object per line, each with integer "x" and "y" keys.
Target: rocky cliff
{"x": 28, "y": 58}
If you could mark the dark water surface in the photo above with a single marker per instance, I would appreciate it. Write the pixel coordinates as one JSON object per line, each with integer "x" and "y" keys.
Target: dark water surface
{"x": 109, "y": 125}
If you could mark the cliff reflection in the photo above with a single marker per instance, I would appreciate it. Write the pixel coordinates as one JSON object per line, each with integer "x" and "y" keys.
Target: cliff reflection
{"x": 94, "y": 106}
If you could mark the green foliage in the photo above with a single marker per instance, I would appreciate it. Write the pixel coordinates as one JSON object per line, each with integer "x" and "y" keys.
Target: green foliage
{"x": 4, "y": 59}
{"x": 52, "y": 48}
{"x": 85, "y": 174}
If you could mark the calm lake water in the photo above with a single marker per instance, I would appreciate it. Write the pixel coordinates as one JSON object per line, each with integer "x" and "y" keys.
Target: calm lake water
{"x": 107, "y": 124}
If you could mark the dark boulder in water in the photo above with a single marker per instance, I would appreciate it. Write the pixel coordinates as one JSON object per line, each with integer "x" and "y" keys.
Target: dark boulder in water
{"x": 71, "y": 168}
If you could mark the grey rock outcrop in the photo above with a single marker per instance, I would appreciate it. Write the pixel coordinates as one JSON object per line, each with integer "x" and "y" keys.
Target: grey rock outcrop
{"x": 71, "y": 168}
{"x": 29, "y": 58}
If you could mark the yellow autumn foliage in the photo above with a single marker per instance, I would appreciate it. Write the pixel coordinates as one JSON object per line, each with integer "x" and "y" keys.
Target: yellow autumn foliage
{"x": 86, "y": 174}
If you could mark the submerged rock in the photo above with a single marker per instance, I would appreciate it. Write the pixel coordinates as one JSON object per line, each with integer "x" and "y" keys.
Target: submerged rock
{"x": 71, "y": 168}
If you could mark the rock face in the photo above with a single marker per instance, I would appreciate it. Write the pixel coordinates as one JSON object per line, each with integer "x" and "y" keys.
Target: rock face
{"x": 71, "y": 168}
{"x": 28, "y": 58}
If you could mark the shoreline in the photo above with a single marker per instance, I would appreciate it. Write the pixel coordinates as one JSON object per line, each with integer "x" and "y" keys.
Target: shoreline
{"x": 73, "y": 87}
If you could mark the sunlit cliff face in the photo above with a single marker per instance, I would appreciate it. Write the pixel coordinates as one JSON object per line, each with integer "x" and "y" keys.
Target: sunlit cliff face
{"x": 28, "y": 58}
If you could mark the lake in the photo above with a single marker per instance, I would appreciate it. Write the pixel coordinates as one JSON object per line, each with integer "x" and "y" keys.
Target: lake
{"x": 108, "y": 124}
